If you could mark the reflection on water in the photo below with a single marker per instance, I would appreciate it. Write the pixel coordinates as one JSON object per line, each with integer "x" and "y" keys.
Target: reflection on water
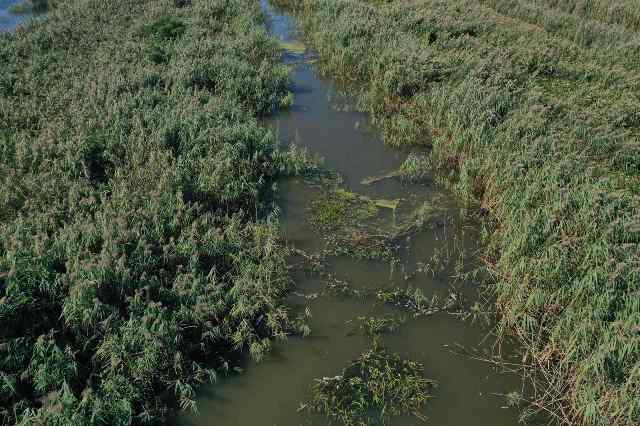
{"x": 270, "y": 393}
{"x": 8, "y": 19}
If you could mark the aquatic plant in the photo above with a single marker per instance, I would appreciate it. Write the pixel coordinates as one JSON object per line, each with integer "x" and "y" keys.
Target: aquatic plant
{"x": 360, "y": 244}
{"x": 352, "y": 220}
{"x": 375, "y": 326}
{"x": 337, "y": 287}
{"x": 415, "y": 168}
{"x": 411, "y": 299}
{"x": 373, "y": 388}
{"x": 339, "y": 209}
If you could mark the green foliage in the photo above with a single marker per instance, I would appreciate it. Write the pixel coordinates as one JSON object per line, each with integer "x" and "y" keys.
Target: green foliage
{"x": 165, "y": 27}
{"x": 415, "y": 168}
{"x": 375, "y": 326}
{"x": 375, "y": 387}
{"x": 138, "y": 253}
{"x": 340, "y": 208}
{"x": 530, "y": 108}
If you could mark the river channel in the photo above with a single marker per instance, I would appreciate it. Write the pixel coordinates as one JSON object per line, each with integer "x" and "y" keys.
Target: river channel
{"x": 323, "y": 119}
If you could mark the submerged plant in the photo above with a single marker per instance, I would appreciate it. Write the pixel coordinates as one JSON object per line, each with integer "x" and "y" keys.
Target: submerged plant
{"x": 373, "y": 388}
{"x": 411, "y": 299}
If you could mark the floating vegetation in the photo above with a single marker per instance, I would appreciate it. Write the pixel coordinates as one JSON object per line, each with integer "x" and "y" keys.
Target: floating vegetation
{"x": 295, "y": 47}
{"x": 410, "y": 299}
{"x": 414, "y": 301}
{"x": 375, "y": 387}
{"x": 361, "y": 245}
{"x": 313, "y": 264}
{"x": 428, "y": 215}
{"x": 386, "y": 204}
{"x": 357, "y": 228}
{"x": 341, "y": 209}
{"x": 354, "y": 223}
{"x": 336, "y": 287}
{"x": 375, "y": 326}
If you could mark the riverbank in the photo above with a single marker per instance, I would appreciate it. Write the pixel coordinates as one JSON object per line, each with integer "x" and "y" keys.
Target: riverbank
{"x": 138, "y": 255}
{"x": 531, "y": 113}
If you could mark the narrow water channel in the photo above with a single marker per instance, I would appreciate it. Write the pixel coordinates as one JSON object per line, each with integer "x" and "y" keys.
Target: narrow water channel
{"x": 270, "y": 392}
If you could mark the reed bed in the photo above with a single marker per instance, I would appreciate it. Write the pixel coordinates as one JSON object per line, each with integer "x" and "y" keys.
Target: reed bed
{"x": 139, "y": 254}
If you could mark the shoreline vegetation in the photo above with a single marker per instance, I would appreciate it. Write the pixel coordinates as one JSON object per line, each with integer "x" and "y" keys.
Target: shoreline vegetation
{"x": 531, "y": 111}
{"x": 139, "y": 253}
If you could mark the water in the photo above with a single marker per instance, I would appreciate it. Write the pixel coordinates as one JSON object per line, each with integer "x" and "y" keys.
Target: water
{"x": 270, "y": 393}
{"x": 9, "y": 20}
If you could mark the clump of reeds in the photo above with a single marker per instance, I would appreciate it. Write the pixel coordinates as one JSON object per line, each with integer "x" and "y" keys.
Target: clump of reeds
{"x": 376, "y": 326}
{"x": 373, "y": 388}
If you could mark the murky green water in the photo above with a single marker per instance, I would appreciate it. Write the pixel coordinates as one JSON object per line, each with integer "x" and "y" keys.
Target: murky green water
{"x": 270, "y": 393}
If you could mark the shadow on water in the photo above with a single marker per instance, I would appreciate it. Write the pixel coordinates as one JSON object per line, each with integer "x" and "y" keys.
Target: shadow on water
{"x": 270, "y": 393}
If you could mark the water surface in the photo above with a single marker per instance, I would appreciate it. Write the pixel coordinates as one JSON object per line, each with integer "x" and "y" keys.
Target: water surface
{"x": 9, "y": 20}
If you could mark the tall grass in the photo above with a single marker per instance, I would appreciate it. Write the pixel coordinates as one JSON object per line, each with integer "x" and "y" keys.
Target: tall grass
{"x": 622, "y": 12}
{"x": 135, "y": 257}
{"x": 540, "y": 129}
